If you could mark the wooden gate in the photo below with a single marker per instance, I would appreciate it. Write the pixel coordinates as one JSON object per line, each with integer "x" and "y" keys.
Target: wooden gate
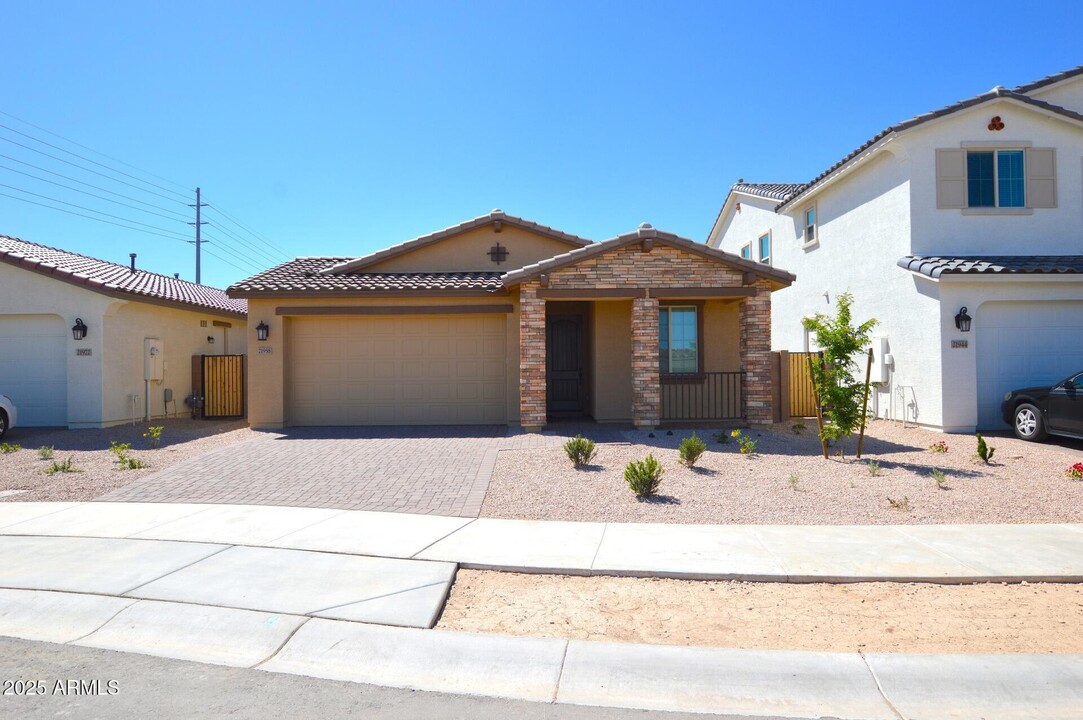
{"x": 223, "y": 386}
{"x": 802, "y": 400}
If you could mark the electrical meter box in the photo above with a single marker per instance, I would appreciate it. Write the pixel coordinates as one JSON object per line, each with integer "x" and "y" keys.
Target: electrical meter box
{"x": 881, "y": 360}
{"x": 153, "y": 360}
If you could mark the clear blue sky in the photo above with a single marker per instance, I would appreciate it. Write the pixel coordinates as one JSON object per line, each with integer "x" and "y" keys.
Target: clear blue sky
{"x": 343, "y": 127}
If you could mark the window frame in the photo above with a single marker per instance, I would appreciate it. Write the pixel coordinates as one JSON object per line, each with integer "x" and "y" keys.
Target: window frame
{"x": 747, "y": 246}
{"x": 815, "y": 239}
{"x": 996, "y": 207}
{"x": 697, "y": 306}
{"x": 770, "y": 248}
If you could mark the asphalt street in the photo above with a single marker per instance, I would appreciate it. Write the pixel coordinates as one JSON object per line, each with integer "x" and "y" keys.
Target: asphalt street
{"x": 140, "y": 686}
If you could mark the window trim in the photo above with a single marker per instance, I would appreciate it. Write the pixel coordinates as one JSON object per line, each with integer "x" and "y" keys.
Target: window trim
{"x": 746, "y": 246}
{"x": 697, "y": 305}
{"x": 996, "y": 208}
{"x": 805, "y": 242}
{"x": 770, "y": 247}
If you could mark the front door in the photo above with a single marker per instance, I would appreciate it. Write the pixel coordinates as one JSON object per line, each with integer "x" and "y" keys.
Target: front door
{"x": 564, "y": 364}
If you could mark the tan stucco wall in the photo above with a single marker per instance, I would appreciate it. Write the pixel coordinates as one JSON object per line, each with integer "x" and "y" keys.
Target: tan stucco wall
{"x": 721, "y": 340}
{"x": 611, "y": 358}
{"x": 181, "y": 335}
{"x": 98, "y": 384}
{"x": 470, "y": 251}
{"x": 267, "y": 361}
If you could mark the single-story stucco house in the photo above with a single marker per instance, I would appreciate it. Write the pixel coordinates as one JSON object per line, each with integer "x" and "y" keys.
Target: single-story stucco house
{"x": 502, "y": 320}
{"x": 90, "y": 343}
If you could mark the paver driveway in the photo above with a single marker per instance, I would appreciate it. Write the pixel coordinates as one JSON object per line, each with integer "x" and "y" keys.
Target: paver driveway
{"x": 437, "y": 471}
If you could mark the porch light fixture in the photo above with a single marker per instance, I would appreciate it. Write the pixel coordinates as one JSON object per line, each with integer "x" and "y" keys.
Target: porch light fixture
{"x": 262, "y": 331}
{"x": 78, "y": 330}
{"x": 962, "y": 320}
{"x": 210, "y": 339}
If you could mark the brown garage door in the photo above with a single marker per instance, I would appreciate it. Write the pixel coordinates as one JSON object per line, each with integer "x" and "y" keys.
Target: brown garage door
{"x": 398, "y": 370}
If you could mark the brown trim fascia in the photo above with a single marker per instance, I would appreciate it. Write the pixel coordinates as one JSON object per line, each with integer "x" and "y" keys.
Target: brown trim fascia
{"x": 591, "y": 293}
{"x": 101, "y": 288}
{"x": 362, "y": 294}
{"x": 396, "y": 310}
{"x": 221, "y": 323}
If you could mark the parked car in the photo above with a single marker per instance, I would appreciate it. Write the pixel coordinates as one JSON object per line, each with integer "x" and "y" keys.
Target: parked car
{"x": 1036, "y": 412}
{"x": 8, "y": 415}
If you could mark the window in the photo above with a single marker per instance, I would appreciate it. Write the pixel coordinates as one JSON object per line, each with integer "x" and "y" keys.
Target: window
{"x": 810, "y": 225}
{"x": 678, "y": 344}
{"x": 746, "y": 252}
{"x": 765, "y": 248}
{"x": 995, "y": 178}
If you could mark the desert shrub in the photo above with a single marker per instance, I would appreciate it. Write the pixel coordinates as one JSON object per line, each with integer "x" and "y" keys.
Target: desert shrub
{"x": 132, "y": 463}
{"x": 45, "y": 452}
{"x": 941, "y": 478}
{"x": 64, "y": 466}
{"x": 939, "y": 447}
{"x": 903, "y": 504}
{"x": 6, "y": 448}
{"x": 797, "y": 428}
{"x": 690, "y": 450}
{"x": 644, "y": 476}
{"x": 985, "y": 451}
{"x": 747, "y": 444}
{"x": 579, "y": 450}
{"x": 1075, "y": 471}
{"x": 873, "y": 468}
{"x": 154, "y": 435}
{"x": 119, "y": 449}
{"x": 721, "y": 438}
{"x": 794, "y": 479}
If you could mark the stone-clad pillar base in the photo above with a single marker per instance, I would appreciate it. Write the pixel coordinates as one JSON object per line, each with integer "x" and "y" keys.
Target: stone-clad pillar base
{"x": 646, "y": 393}
{"x": 531, "y": 358}
{"x": 756, "y": 354}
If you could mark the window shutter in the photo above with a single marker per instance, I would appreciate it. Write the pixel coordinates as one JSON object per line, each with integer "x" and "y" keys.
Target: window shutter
{"x": 950, "y": 179}
{"x": 1041, "y": 178}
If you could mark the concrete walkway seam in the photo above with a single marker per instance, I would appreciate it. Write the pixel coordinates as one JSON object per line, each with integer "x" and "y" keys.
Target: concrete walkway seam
{"x": 175, "y": 570}
{"x": 279, "y": 648}
{"x": 307, "y": 527}
{"x": 880, "y": 687}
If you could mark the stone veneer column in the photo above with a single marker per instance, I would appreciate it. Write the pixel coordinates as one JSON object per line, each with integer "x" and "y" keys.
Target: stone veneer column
{"x": 756, "y": 353}
{"x": 531, "y": 358}
{"x": 646, "y": 393}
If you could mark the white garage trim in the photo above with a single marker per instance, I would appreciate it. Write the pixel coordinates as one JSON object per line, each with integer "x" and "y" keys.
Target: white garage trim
{"x": 33, "y": 367}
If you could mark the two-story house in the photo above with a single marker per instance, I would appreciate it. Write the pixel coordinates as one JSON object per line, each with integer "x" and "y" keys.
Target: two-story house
{"x": 960, "y": 231}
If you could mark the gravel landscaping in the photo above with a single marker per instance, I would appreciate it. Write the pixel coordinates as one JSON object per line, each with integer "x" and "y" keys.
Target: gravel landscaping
{"x": 23, "y": 476}
{"x": 787, "y": 481}
{"x": 870, "y": 617}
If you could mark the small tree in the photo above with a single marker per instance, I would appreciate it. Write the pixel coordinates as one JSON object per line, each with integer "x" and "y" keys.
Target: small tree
{"x": 840, "y": 393}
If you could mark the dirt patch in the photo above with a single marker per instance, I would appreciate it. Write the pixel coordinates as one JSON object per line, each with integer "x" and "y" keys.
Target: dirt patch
{"x": 872, "y": 617}
{"x": 98, "y": 472}
{"x": 788, "y": 482}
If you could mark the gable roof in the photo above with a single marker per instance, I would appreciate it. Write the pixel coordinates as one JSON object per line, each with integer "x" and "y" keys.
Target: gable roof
{"x": 1050, "y": 80}
{"x": 935, "y": 267}
{"x": 352, "y": 265}
{"x": 305, "y": 274}
{"x": 771, "y": 191}
{"x": 115, "y": 279}
{"x": 646, "y": 232}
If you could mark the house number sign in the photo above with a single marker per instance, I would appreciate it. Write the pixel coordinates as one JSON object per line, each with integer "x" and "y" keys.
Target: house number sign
{"x": 83, "y": 352}
{"x": 959, "y": 344}
{"x": 264, "y": 350}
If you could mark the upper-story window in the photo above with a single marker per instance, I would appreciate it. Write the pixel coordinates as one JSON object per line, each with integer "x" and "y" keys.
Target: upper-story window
{"x": 765, "y": 248}
{"x": 996, "y": 178}
{"x": 810, "y": 225}
{"x": 746, "y": 251}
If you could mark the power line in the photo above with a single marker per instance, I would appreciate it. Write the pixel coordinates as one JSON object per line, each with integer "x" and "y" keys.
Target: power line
{"x": 250, "y": 231}
{"x": 96, "y": 187}
{"x": 226, "y": 248}
{"x": 85, "y": 192}
{"x": 96, "y": 152}
{"x": 238, "y": 238}
{"x": 81, "y": 157}
{"x": 89, "y": 217}
{"x": 69, "y": 162}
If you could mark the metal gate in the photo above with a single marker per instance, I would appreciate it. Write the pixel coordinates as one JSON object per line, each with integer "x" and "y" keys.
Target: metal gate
{"x": 802, "y": 395}
{"x": 223, "y": 386}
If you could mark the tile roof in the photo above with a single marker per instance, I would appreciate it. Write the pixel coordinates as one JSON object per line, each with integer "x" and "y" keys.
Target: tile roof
{"x": 113, "y": 278}
{"x": 306, "y": 274}
{"x": 1050, "y": 80}
{"x": 354, "y": 264}
{"x": 935, "y": 267}
{"x": 771, "y": 191}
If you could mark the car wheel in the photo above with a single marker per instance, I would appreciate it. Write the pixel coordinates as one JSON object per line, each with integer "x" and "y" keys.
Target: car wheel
{"x": 1029, "y": 424}
{"x": 3, "y": 424}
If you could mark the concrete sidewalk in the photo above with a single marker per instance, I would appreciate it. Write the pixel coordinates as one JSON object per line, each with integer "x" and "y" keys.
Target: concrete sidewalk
{"x": 910, "y": 553}
{"x": 703, "y": 680}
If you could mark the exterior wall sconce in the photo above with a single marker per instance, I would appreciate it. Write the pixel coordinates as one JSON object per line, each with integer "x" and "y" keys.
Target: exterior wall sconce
{"x": 210, "y": 339}
{"x": 78, "y": 330}
{"x": 962, "y": 320}
{"x": 262, "y": 331}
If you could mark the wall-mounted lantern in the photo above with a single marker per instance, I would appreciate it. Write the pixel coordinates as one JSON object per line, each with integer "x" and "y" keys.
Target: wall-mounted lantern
{"x": 78, "y": 330}
{"x": 962, "y": 320}
{"x": 262, "y": 331}
{"x": 210, "y": 339}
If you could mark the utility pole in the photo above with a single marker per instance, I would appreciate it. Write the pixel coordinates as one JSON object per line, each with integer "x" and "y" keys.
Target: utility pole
{"x": 198, "y": 241}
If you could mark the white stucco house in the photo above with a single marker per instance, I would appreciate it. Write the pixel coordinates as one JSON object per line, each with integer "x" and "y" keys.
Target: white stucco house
{"x": 139, "y": 331}
{"x": 978, "y": 205}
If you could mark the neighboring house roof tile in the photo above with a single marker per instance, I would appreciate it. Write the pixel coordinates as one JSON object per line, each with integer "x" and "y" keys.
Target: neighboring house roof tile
{"x": 306, "y": 274}
{"x": 771, "y": 191}
{"x": 644, "y": 233}
{"x": 935, "y": 267}
{"x": 347, "y": 265}
{"x": 113, "y": 278}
